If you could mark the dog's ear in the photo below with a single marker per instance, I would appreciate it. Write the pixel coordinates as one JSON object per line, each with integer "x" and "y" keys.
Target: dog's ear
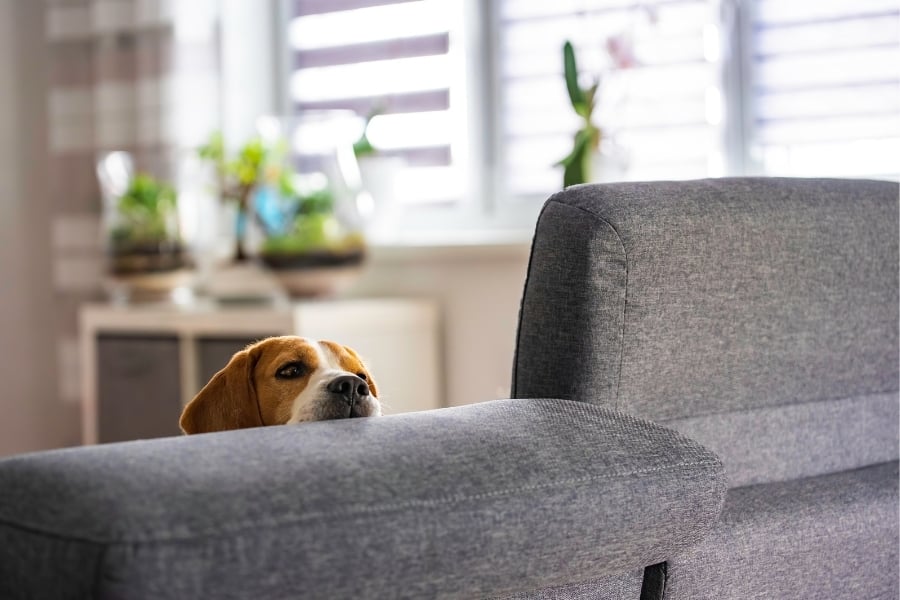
{"x": 228, "y": 401}
{"x": 373, "y": 388}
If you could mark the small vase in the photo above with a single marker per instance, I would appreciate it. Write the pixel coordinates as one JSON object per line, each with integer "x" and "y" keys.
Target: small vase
{"x": 380, "y": 175}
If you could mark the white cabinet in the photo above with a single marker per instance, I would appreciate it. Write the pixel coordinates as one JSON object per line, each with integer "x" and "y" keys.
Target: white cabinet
{"x": 142, "y": 363}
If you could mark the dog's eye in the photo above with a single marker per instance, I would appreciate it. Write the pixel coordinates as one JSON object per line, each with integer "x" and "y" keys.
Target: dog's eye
{"x": 362, "y": 376}
{"x": 291, "y": 371}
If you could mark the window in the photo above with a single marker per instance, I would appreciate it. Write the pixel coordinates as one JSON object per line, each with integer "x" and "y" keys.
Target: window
{"x": 393, "y": 59}
{"x": 825, "y": 87}
{"x": 660, "y": 110}
{"x": 690, "y": 88}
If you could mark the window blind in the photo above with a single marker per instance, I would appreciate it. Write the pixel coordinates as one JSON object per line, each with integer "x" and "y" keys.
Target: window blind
{"x": 664, "y": 114}
{"x": 826, "y": 87}
{"x": 389, "y": 56}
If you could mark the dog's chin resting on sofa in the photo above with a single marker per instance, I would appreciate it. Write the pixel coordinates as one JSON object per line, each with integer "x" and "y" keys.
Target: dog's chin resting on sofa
{"x": 282, "y": 380}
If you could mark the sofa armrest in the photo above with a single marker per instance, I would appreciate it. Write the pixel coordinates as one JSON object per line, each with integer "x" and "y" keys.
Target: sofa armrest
{"x": 487, "y": 499}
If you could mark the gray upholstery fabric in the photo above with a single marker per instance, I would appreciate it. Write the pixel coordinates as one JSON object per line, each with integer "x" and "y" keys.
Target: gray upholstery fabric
{"x": 715, "y": 306}
{"x": 573, "y": 308}
{"x": 800, "y": 440}
{"x": 760, "y": 317}
{"x": 832, "y": 536}
{"x": 488, "y": 499}
{"x": 621, "y": 587}
{"x": 680, "y": 299}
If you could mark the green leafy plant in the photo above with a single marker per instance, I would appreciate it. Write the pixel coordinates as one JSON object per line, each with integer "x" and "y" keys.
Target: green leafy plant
{"x": 239, "y": 176}
{"x": 297, "y": 220}
{"x": 145, "y": 237}
{"x": 147, "y": 213}
{"x": 577, "y": 164}
{"x": 318, "y": 233}
{"x": 312, "y": 228}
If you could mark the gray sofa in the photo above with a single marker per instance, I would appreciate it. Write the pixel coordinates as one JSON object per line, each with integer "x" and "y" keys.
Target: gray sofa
{"x": 760, "y": 318}
{"x": 706, "y": 377}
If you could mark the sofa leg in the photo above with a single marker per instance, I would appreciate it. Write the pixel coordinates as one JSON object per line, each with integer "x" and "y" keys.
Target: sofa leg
{"x": 654, "y": 585}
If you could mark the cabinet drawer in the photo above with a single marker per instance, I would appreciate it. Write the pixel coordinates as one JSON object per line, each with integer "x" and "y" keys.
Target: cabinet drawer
{"x": 138, "y": 387}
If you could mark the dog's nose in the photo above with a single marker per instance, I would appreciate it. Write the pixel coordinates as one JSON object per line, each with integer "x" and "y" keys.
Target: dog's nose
{"x": 349, "y": 387}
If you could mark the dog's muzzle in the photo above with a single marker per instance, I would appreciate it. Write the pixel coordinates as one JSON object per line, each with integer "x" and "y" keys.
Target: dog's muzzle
{"x": 350, "y": 389}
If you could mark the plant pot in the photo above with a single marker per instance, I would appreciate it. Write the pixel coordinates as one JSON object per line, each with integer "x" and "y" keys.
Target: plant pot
{"x": 312, "y": 237}
{"x": 149, "y": 271}
{"x": 147, "y": 258}
{"x": 316, "y": 273}
{"x": 321, "y": 269}
{"x": 380, "y": 176}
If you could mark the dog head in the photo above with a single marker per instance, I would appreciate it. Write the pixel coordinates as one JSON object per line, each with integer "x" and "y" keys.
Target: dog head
{"x": 284, "y": 380}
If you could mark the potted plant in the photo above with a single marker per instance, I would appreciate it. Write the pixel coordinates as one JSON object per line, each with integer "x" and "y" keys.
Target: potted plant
{"x": 238, "y": 177}
{"x": 146, "y": 236}
{"x": 595, "y": 156}
{"x": 577, "y": 164}
{"x": 145, "y": 251}
{"x": 308, "y": 246}
{"x": 311, "y": 235}
{"x": 310, "y": 238}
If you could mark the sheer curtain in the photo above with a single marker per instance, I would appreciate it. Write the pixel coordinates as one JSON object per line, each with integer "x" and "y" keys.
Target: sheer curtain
{"x": 400, "y": 59}
{"x": 660, "y": 96}
{"x": 135, "y": 75}
{"x": 825, "y": 87}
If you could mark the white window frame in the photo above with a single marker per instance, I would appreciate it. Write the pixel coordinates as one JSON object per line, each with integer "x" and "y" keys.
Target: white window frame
{"x": 479, "y": 215}
{"x": 746, "y": 145}
{"x": 467, "y": 42}
{"x": 487, "y": 210}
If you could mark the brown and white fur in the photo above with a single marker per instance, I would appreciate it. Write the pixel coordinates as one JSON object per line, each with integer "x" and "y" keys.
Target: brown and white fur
{"x": 283, "y": 380}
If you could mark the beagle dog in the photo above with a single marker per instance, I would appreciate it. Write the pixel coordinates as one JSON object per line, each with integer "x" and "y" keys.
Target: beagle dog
{"x": 283, "y": 380}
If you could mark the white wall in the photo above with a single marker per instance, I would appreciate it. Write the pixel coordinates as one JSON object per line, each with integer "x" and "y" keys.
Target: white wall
{"x": 478, "y": 290}
{"x": 247, "y": 31}
{"x": 31, "y": 417}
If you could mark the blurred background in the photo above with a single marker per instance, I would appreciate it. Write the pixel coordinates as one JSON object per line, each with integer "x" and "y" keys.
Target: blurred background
{"x": 180, "y": 178}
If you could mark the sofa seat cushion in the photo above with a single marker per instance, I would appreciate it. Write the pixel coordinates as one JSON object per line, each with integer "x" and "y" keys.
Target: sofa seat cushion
{"x": 831, "y": 536}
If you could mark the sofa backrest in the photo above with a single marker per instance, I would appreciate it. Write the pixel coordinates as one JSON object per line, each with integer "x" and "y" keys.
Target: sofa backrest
{"x": 757, "y": 315}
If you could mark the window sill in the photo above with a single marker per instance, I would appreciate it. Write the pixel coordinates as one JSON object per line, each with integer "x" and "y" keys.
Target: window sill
{"x": 453, "y": 246}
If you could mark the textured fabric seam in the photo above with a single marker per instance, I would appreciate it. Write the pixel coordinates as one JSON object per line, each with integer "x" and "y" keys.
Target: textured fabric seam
{"x": 815, "y": 476}
{"x": 776, "y": 406}
{"x": 582, "y": 407}
{"x": 625, "y": 303}
{"x": 436, "y": 502}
